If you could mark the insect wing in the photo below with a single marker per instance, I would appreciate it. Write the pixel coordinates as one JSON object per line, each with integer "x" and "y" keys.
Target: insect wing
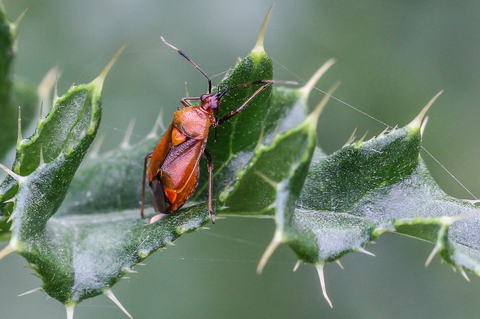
{"x": 180, "y": 171}
{"x": 160, "y": 153}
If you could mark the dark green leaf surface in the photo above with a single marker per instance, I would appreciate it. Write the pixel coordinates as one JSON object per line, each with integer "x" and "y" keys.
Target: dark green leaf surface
{"x": 368, "y": 188}
{"x": 97, "y": 234}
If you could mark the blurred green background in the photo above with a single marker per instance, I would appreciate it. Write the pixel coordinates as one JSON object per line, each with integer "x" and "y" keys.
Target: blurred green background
{"x": 393, "y": 56}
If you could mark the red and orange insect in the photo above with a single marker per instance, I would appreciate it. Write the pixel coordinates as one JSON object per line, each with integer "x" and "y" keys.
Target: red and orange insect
{"x": 173, "y": 170}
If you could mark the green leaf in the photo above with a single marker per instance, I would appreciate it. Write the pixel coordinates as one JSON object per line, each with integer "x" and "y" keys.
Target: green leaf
{"x": 14, "y": 93}
{"x": 79, "y": 226}
{"x": 369, "y": 188}
{"x": 97, "y": 235}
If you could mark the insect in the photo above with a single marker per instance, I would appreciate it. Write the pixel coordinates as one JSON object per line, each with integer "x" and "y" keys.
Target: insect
{"x": 173, "y": 170}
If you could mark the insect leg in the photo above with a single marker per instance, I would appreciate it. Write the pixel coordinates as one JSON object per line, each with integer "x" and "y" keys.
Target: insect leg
{"x": 229, "y": 115}
{"x": 208, "y": 155}
{"x": 185, "y": 99}
{"x": 149, "y": 155}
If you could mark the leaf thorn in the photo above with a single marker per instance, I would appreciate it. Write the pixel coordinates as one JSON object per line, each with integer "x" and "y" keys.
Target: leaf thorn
{"x": 101, "y": 78}
{"x": 464, "y": 274}
{"x": 339, "y": 263}
{"x": 276, "y": 241}
{"x": 42, "y": 160}
{"x": 158, "y": 124}
{"x": 17, "y": 177}
{"x": 321, "y": 276}
{"x": 97, "y": 144}
{"x": 435, "y": 250}
{"x": 313, "y": 117}
{"x": 364, "y": 251}
{"x": 299, "y": 262}
{"x": 424, "y": 124}
{"x": 128, "y": 134}
{"x": 55, "y": 91}
{"x": 70, "y": 310}
{"x": 6, "y": 251}
{"x": 12, "y": 215}
{"x": 19, "y": 137}
{"x": 130, "y": 271}
{"x": 307, "y": 88}
{"x": 417, "y": 121}
{"x": 30, "y": 292}
{"x": 360, "y": 141}
{"x": 259, "y": 48}
{"x": 11, "y": 200}
{"x": 40, "y": 114}
{"x": 112, "y": 297}
{"x": 49, "y": 81}
{"x": 17, "y": 22}
{"x": 351, "y": 139}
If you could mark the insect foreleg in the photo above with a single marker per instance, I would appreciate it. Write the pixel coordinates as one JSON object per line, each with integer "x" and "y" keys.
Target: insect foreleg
{"x": 234, "y": 112}
{"x": 185, "y": 99}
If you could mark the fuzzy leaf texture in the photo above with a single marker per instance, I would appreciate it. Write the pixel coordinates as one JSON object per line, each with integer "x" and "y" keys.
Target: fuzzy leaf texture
{"x": 83, "y": 241}
{"x": 79, "y": 226}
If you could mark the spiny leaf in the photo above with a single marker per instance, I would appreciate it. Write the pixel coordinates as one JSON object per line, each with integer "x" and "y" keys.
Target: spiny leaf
{"x": 368, "y": 188}
{"x": 47, "y": 162}
{"x": 267, "y": 163}
{"x": 97, "y": 235}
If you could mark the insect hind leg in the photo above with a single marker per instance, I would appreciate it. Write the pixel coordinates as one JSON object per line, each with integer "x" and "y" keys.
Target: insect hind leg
{"x": 208, "y": 155}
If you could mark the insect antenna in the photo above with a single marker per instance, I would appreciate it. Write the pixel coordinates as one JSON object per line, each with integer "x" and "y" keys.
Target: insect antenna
{"x": 196, "y": 66}
{"x": 220, "y": 95}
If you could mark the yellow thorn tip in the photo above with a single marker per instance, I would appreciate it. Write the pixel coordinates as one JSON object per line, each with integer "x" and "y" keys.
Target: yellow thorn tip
{"x": 112, "y": 297}
{"x": 70, "y": 310}
{"x": 259, "y": 48}
{"x": 307, "y": 88}
{"x": 19, "y": 134}
{"x": 297, "y": 265}
{"x": 30, "y": 292}
{"x": 17, "y": 177}
{"x": 435, "y": 250}
{"x": 321, "y": 276}
{"x": 417, "y": 121}
{"x": 268, "y": 253}
{"x": 6, "y": 251}
{"x": 101, "y": 78}
{"x": 17, "y": 22}
{"x": 313, "y": 117}
{"x": 128, "y": 134}
{"x": 48, "y": 83}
